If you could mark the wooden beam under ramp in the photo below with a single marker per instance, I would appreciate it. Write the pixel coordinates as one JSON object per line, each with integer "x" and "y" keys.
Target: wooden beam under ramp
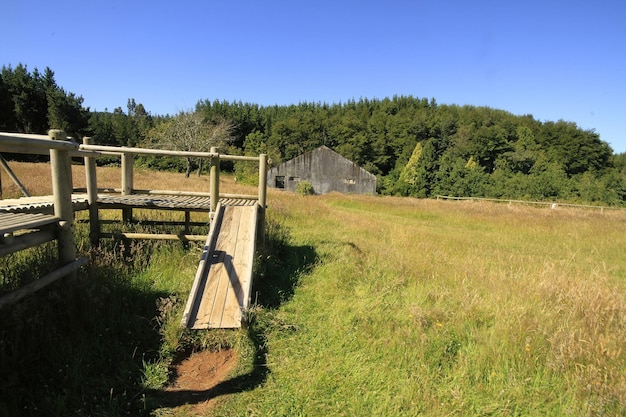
{"x": 220, "y": 293}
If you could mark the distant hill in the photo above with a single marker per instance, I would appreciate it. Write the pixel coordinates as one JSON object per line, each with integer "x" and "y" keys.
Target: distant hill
{"x": 415, "y": 146}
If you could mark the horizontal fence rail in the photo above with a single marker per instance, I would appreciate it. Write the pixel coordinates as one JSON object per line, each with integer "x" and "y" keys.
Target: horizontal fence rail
{"x": 40, "y": 145}
{"x": 551, "y": 204}
{"x": 119, "y": 150}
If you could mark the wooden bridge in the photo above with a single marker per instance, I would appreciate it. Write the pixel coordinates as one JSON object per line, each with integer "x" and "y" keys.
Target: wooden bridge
{"x": 221, "y": 287}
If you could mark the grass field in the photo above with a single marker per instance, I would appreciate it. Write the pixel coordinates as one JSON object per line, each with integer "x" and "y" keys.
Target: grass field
{"x": 364, "y": 306}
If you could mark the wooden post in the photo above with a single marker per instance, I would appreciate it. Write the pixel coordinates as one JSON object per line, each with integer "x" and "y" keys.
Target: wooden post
{"x": 92, "y": 196}
{"x": 12, "y": 175}
{"x": 127, "y": 183}
{"x": 262, "y": 196}
{"x": 61, "y": 166}
{"x": 215, "y": 179}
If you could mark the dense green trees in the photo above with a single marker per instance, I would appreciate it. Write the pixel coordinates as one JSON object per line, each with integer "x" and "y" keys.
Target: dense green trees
{"x": 419, "y": 148}
{"x": 34, "y": 103}
{"x": 415, "y": 146}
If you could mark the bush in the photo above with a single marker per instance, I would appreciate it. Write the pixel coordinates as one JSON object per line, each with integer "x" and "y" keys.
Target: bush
{"x": 305, "y": 188}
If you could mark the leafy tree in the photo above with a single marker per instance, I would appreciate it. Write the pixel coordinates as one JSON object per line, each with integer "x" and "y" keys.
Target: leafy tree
{"x": 420, "y": 173}
{"x": 188, "y": 131}
{"x": 34, "y": 103}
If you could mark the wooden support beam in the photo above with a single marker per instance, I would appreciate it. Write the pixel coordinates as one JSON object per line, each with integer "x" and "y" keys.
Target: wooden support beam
{"x": 127, "y": 183}
{"x": 12, "y": 175}
{"x": 48, "y": 279}
{"x": 215, "y": 179}
{"x": 154, "y": 236}
{"x": 92, "y": 197}
{"x": 12, "y": 243}
{"x": 62, "y": 189}
{"x": 262, "y": 198}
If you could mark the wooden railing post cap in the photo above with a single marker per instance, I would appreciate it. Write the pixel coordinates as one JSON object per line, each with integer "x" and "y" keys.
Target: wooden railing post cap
{"x": 57, "y": 134}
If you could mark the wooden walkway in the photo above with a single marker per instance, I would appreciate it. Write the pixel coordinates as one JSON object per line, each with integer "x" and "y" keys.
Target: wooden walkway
{"x": 229, "y": 254}
{"x": 220, "y": 293}
{"x": 22, "y": 230}
{"x": 221, "y": 289}
{"x": 40, "y": 204}
{"x": 44, "y": 204}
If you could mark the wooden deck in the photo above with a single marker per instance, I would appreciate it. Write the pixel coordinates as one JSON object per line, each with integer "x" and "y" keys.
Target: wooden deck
{"x": 40, "y": 204}
{"x": 221, "y": 289}
{"x": 19, "y": 231}
{"x": 44, "y": 204}
{"x": 12, "y": 222}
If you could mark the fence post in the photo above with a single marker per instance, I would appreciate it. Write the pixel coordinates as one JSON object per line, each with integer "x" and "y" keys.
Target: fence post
{"x": 92, "y": 196}
{"x": 215, "y": 179}
{"x": 262, "y": 196}
{"x": 62, "y": 188}
{"x": 127, "y": 183}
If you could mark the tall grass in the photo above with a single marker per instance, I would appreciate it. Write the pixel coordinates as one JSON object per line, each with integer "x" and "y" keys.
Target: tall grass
{"x": 363, "y": 306}
{"x": 441, "y": 308}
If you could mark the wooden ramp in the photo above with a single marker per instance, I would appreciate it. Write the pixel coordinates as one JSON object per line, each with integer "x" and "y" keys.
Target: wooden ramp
{"x": 221, "y": 289}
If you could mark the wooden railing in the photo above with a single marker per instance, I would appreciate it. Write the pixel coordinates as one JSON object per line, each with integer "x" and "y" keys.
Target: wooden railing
{"x": 61, "y": 150}
{"x": 127, "y": 156}
{"x": 62, "y": 221}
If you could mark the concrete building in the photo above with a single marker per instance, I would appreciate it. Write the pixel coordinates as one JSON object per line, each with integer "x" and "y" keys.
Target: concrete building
{"x": 326, "y": 170}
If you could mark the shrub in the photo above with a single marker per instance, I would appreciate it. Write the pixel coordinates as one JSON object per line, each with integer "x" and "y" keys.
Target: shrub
{"x": 305, "y": 188}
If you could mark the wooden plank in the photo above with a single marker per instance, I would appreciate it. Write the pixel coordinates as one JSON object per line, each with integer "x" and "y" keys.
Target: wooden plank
{"x": 226, "y": 312}
{"x": 12, "y": 244}
{"x": 241, "y": 272}
{"x": 221, "y": 290}
{"x": 155, "y": 202}
{"x": 11, "y": 222}
{"x": 207, "y": 298}
{"x": 39, "y": 203}
{"x": 214, "y": 299}
{"x": 40, "y": 283}
{"x": 161, "y": 202}
{"x": 247, "y": 258}
{"x": 200, "y": 279}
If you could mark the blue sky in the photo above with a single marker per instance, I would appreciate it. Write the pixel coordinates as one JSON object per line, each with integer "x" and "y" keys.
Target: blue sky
{"x": 552, "y": 59}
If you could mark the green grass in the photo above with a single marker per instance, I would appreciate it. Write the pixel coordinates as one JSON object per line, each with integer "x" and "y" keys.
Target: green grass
{"x": 439, "y": 308}
{"x": 363, "y": 306}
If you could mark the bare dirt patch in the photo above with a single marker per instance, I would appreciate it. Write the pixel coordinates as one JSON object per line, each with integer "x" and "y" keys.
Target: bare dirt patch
{"x": 196, "y": 382}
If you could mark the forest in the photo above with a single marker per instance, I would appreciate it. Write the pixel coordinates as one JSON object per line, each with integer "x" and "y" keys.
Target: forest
{"x": 415, "y": 146}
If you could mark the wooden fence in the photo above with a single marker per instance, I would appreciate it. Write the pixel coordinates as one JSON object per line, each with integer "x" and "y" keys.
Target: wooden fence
{"x": 551, "y": 204}
{"x": 33, "y": 230}
{"x": 61, "y": 150}
{"x": 127, "y": 156}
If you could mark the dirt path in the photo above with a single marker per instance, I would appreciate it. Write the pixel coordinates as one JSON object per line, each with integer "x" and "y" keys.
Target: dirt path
{"x": 194, "y": 387}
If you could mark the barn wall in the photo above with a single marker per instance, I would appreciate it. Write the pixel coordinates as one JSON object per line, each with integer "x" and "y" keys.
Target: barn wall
{"x": 326, "y": 170}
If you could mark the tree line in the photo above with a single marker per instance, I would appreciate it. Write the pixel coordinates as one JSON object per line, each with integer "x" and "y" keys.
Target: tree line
{"x": 415, "y": 146}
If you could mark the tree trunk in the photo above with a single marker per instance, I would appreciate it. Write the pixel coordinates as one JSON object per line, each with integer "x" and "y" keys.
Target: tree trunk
{"x": 188, "y": 172}
{"x": 200, "y": 164}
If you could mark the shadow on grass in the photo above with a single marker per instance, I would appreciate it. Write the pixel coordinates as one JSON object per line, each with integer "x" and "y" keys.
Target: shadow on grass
{"x": 78, "y": 346}
{"x": 278, "y": 269}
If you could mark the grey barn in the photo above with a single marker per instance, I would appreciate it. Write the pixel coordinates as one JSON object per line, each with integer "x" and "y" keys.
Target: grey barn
{"x": 326, "y": 170}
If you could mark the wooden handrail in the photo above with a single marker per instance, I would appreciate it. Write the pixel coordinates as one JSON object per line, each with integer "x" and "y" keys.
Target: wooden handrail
{"x": 26, "y": 141}
{"x": 120, "y": 150}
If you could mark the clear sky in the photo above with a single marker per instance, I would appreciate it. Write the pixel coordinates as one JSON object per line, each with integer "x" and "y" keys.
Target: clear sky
{"x": 553, "y": 59}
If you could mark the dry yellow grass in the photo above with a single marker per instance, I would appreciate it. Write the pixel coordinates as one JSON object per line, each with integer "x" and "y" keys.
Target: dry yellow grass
{"x": 36, "y": 179}
{"x": 460, "y": 308}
